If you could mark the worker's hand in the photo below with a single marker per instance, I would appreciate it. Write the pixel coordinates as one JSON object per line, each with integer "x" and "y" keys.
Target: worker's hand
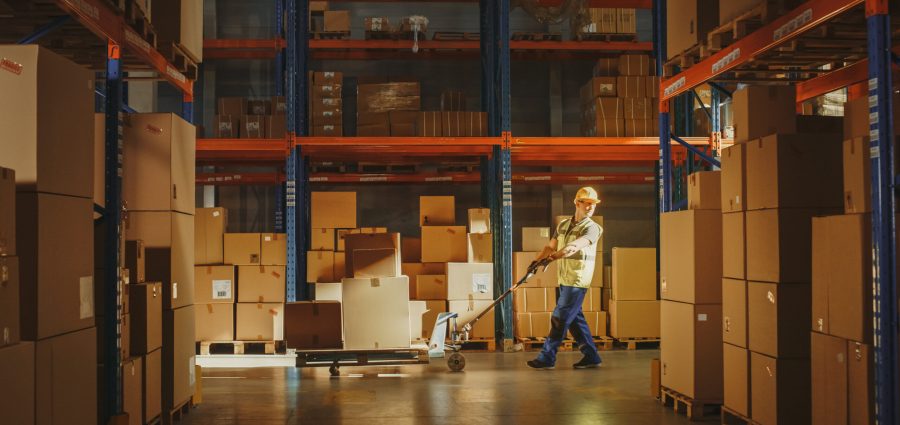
{"x": 565, "y": 252}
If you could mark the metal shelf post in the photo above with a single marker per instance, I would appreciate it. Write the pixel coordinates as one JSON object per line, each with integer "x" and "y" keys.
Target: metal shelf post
{"x": 504, "y": 166}
{"x": 665, "y": 148}
{"x": 296, "y": 206}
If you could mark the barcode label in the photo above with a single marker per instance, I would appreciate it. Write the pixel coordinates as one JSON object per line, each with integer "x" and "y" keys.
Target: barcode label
{"x": 481, "y": 283}
{"x": 221, "y": 289}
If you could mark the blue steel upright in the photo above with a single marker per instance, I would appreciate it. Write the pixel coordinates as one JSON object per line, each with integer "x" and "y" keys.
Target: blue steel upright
{"x": 295, "y": 187}
{"x": 665, "y": 147}
{"x": 881, "y": 133}
{"x": 505, "y": 168}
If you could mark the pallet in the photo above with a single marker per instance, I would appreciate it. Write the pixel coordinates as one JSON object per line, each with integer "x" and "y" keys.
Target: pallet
{"x": 604, "y": 343}
{"x": 632, "y": 343}
{"x": 181, "y": 59}
{"x": 456, "y": 36}
{"x": 135, "y": 18}
{"x": 486, "y": 344}
{"x": 693, "y": 409}
{"x": 537, "y": 36}
{"x": 608, "y": 37}
{"x": 177, "y": 413}
{"x": 394, "y": 35}
{"x": 726, "y": 34}
{"x": 730, "y": 417}
{"x": 685, "y": 59}
{"x": 537, "y": 344}
{"x": 329, "y": 35}
{"x": 206, "y": 348}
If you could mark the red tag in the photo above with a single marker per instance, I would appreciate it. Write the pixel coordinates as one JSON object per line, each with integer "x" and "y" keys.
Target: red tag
{"x": 14, "y": 67}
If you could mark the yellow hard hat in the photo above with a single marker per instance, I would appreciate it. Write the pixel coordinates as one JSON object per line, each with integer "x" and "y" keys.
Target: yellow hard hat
{"x": 587, "y": 193}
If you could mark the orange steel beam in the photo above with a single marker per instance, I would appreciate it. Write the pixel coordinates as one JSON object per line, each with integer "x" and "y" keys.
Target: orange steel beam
{"x": 637, "y": 4}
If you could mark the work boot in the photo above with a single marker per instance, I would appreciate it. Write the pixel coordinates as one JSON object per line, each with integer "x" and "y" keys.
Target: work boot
{"x": 537, "y": 364}
{"x": 586, "y": 363}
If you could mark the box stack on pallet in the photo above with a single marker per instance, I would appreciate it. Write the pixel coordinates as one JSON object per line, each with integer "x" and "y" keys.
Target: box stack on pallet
{"x": 688, "y": 22}
{"x": 49, "y": 339}
{"x": 634, "y": 307}
{"x": 387, "y": 108}
{"x": 691, "y": 292}
{"x": 179, "y": 25}
{"x": 324, "y": 23}
{"x": 326, "y": 107}
{"x": 605, "y": 24}
{"x": 620, "y": 100}
{"x": 239, "y": 117}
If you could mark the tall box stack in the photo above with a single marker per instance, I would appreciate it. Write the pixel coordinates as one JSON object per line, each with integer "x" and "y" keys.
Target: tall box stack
{"x": 46, "y": 297}
{"x": 634, "y": 308}
{"x": 619, "y": 100}
{"x": 691, "y": 291}
{"x": 326, "y": 106}
{"x": 386, "y": 107}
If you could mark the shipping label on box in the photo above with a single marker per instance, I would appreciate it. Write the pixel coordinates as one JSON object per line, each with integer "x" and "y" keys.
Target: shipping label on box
{"x": 470, "y": 281}
{"x": 213, "y": 284}
{"x": 259, "y": 107}
{"x": 778, "y": 319}
{"x": 598, "y": 87}
{"x": 734, "y": 186}
{"x": 323, "y": 78}
{"x": 377, "y": 24}
{"x": 327, "y": 131}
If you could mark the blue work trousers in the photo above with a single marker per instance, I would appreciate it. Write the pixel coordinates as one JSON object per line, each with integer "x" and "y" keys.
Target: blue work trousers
{"x": 568, "y": 316}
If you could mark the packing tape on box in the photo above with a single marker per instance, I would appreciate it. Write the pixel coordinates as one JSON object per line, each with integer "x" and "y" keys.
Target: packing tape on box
{"x": 174, "y": 290}
{"x": 820, "y": 323}
{"x": 858, "y": 351}
{"x": 769, "y": 371}
{"x": 375, "y": 282}
{"x": 209, "y": 308}
{"x": 276, "y": 274}
{"x": 727, "y": 321}
{"x": 261, "y": 299}
{"x": 86, "y": 297}
{"x": 4, "y": 274}
{"x": 273, "y": 312}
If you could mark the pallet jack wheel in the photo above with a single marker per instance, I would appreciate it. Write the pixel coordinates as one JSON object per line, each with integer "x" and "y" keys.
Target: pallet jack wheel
{"x": 334, "y": 371}
{"x": 456, "y": 362}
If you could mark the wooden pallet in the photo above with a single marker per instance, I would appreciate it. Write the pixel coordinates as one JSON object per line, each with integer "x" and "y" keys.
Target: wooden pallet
{"x": 394, "y": 35}
{"x": 730, "y": 417}
{"x": 608, "y": 37}
{"x": 240, "y": 347}
{"x": 685, "y": 59}
{"x": 138, "y": 21}
{"x": 456, "y": 36}
{"x": 180, "y": 59}
{"x": 537, "y": 36}
{"x": 726, "y": 34}
{"x": 329, "y": 35}
{"x": 177, "y": 413}
{"x": 632, "y": 343}
{"x": 485, "y": 344}
{"x": 693, "y": 409}
{"x": 604, "y": 343}
{"x": 537, "y": 344}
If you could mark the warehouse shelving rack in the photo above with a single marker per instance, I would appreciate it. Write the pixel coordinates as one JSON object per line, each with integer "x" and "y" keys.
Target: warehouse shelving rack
{"x": 868, "y": 74}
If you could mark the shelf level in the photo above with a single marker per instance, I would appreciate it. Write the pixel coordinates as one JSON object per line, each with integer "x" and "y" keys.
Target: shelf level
{"x": 265, "y": 179}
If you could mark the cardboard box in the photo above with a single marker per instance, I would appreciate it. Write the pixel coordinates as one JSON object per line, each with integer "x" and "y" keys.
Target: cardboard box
{"x": 321, "y": 239}
{"x": 320, "y": 266}
{"x": 279, "y": 105}
{"x": 481, "y": 248}
{"x": 857, "y": 176}
{"x": 705, "y": 190}
{"x": 9, "y": 301}
{"x": 631, "y": 87}
{"x": 178, "y": 355}
{"x": 828, "y": 364}
{"x": 634, "y": 65}
{"x": 734, "y": 187}
{"x": 403, "y": 130}
{"x": 453, "y": 100}
{"x": 242, "y": 248}
{"x": 640, "y": 109}
{"x": 606, "y": 67}
{"x": 429, "y": 124}
{"x": 273, "y": 249}
{"x": 476, "y": 124}
{"x": 453, "y": 123}
{"x": 842, "y": 276}
{"x": 313, "y": 325}
{"x": 321, "y": 78}
{"x": 736, "y": 374}
{"x": 634, "y": 319}
{"x": 8, "y": 211}
{"x": 370, "y": 241}
{"x": 227, "y": 126}
{"x": 591, "y": 301}
{"x": 235, "y": 106}
{"x": 328, "y": 131}
{"x": 48, "y": 123}
{"x": 597, "y": 322}
{"x": 535, "y": 238}
{"x": 468, "y": 310}
{"x": 152, "y": 403}
{"x": 777, "y": 319}
{"x": 442, "y": 244}
{"x": 734, "y": 244}
{"x": 597, "y": 277}
{"x": 214, "y": 322}
{"x": 691, "y": 349}
{"x": 65, "y": 379}
{"x": 598, "y": 87}
{"x": 259, "y": 321}
{"x": 535, "y": 300}
{"x": 259, "y": 107}
{"x": 214, "y": 285}
{"x": 413, "y": 270}
{"x": 327, "y": 291}
{"x": 653, "y": 87}
{"x": 633, "y": 274}
{"x": 397, "y": 96}
{"x": 417, "y": 309}
{"x": 337, "y": 20}
{"x": 135, "y": 261}
{"x": 860, "y": 381}
{"x": 374, "y": 263}
{"x": 655, "y": 376}
{"x": 411, "y": 251}
{"x": 540, "y": 324}
{"x": 734, "y": 312}
{"x": 261, "y": 284}
{"x": 641, "y": 128}
{"x": 180, "y": 22}
{"x": 688, "y": 22}
{"x": 276, "y": 126}
{"x": 377, "y": 24}
{"x": 626, "y": 20}
{"x": 479, "y": 220}
{"x": 779, "y": 390}
{"x": 523, "y": 326}
{"x": 760, "y": 111}
{"x": 606, "y": 128}
{"x": 17, "y": 393}
{"x": 437, "y": 211}
{"x": 327, "y": 90}
{"x": 253, "y": 127}
{"x": 434, "y": 308}
{"x": 377, "y": 313}
{"x": 159, "y": 148}
{"x": 146, "y": 317}
{"x": 333, "y": 210}
{"x": 340, "y": 266}
{"x": 778, "y": 245}
{"x": 604, "y": 109}
{"x": 56, "y": 292}
{"x": 133, "y": 389}
{"x": 544, "y": 279}
{"x": 470, "y": 281}
{"x": 784, "y": 171}
{"x": 431, "y": 287}
{"x": 691, "y": 257}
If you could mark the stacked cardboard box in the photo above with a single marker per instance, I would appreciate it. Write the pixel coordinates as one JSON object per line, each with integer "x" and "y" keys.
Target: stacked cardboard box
{"x": 384, "y": 108}
{"x": 180, "y": 23}
{"x": 691, "y": 290}
{"x": 48, "y": 347}
{"x": 633, "y": 307}
{"x": 620, "y": 100}
{"x": 239, "y": 117}
{"x": 605, "y": 21}
{"x": 688, "y": 23}
{"x": 326, "y": 116}
{"x": 258, "y": 261}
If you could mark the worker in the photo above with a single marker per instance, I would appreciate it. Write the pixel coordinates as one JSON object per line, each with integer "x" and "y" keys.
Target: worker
{"x": 578, "y": 237}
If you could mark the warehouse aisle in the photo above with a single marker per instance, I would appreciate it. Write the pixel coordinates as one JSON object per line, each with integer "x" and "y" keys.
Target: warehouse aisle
{"x": 494, "y": 389}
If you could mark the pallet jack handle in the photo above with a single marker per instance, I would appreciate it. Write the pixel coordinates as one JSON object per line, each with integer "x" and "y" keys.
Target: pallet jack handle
{"x": 533, "y": 269}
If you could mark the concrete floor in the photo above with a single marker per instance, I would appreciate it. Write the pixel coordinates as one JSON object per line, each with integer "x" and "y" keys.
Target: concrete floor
{"x": 494, "y": 389}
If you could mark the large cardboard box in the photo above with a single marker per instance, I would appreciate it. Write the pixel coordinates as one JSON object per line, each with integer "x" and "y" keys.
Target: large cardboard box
{"x": 480, "y": 248}
{"x": 688, "y": 22}
{"x": 146, "y": 317}
{"x": 47, "y": 121}
{"x": 158, "y": 148}
{"x": 705, "y": 190}
{"x": 535, "y": 238}
{"x": 337, "y": 20}
{"x": 261, "y": 284}
{"x": 437, "y": 211}
{"x": 340, "y": 266}
{"x": 320, "y": 266}
{"x": 327, "y": 291}
{"x": 785, "y": 171}
{"x": 691, "y": 349}
{"x": 178, "y": 356}
{"x": 633, "y": 319}
{"x": 860, "y": 381}
{"x": 133, "y": 389}
{"x": 857, "y": 176}
{"x": 468, "y": 310}
{"x": 377, "y": 313}
{"x": 65, "y": 380}
{"x": 17, "y": 392}
{"x": 691, "y": 257}
{"x": 597, "y": 322}
{"x": 480, "y": 220}
{"x": 636, "y": 65}
{"x": 429, "y": 124}
{"x": 842, "y": 276}
{"x": 313, "y": 325}
{"x": 734, "y": 245}
{"x": 779, "y": 245}
{"x": 321, "y": 239}
{"x": 434, "y": 308}
{"x": 534, "y": 300}
{"x": 633, "y": 274}
{"x": 631, "y": 87}
{"x": 358, "y": 241}
{"x": 333, "y": 210}
{"x": 734, "y": 312}
{"x": 152, "y": 403}
{"x": 828, "y": 365}
{"x": 259, "y": 321}
{"x": 470, "y": 281}
{"x": 9, "y": 301}
{"x": 180, "y": 22}
{"x": 166, "y": 237}
{"x": 734, "y": 186}
{"x": 544, "y": 279}
{"x": 760, "y": 111}
{"x": 413, "y": 270}
{"x": 136, "y": 261}
{"x": 411, "y": 249}
{"x": 736, "y": 378}
{"x": 443, "y": 244}
{"x": 56, "y": 264}
{"x": 780, "y": 390}
{"x": 378, "y": 262}
{"x": 640, "y": 108}
{"x": 591, "y": 301}
{"x": 778, "y": 323}
{"x": 856, "y": 117}
{"x": 523, "y": 326}
{"x": 214, "y": 322}
{"x": 214, "y": 284}
{"x": 431, "y": 286}
{"x": 8, "y": 211}
{"x": 242, "y": 248}
{"x": 598, "y": 87}
{"x": 273, "y": 249}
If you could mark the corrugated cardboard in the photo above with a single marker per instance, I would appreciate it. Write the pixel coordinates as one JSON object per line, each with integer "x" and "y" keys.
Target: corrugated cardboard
{"x": 597, "y": 322}
{"x": 413, "y": 270}
{"x": 321, "y": 239}
{"x": 276, "y": 126}
{"x": 231, "y": 106}
{"x": 434, "y": 308}
{"x": 734, "y": 186}
{"x": 411, "y": 249}
{"x": 604, "y": 109}
{"x": 778, "y": 319}
{"x": 47, "y": 121}
{"x": 9, "y": 301}
{"x": 540, "y": 324}
{"x": 857, "y": 176}
{"x": 779, "y": 390}
{"x": 441, "y": 244}
{"x": 327, "y": 90}
{"x": 828, "y": 364}
{"x": 633, "y": 274}
{"x": 734, "y": 312}
{"x": 8, "y": 211}
{"x": 259, "y": 321}
{"x": 760, "y": 111}
{"x": 152, "y": 403}
{"x": 417, "y": 310}
{"x": 437, "y": 211}
{"x": 328, "y": 291}
{"x": 639, "y": 108}
{"x": 598, "y": 87}
{"x": 214, "y": 322}
{"x": 169, "y": 258}
{"x": 320, "y": 266}
{"x": 655, "y": 372}
{"x": 135, "y": 261}
{"x": 253, "y": 127}
{"x": 544, "y": 279}
{"x": 133, "y": 389}
{"x": 453, "y": 100}
{"x": 158, "y": 148}
{"x": 65, "y": 380}
{"x": 734, "y": 245}
{"x": 653, "y": 87}
{"x": 313, "y": 325}
{"x": 56, "y": 291}
{"x": 180, "y": 22}
{"x": 377, "y": 313}
{"x": 470, "y": 281}
{"x": 214, "y": 284}
{"x": 178, "y": 356}
{"x": 736, "y": 371}
{"x": 279, "y": 105}
{"x": 146, "y": 317}
{"x": 634, "y": 65}
{"x": 606, "y": 67}
{"x": 634, "y": 319}
{"x": 705, "y": 190}
{"x": 328, "y": 131}
{"x": 453, "y": 123}
{"x": 861, "y": 369}
{"x": 688, "y": 22}
{"x": 227, "y": 126}
{"x": 261, "y": 284}
{"x": 535, "y": 238}
{"x": 467, "y": 311}
{"x": 273, "y": 249}
{"x": 591, "y": 302}
{"x": 631, "y": 87}
{"x": 691, "y": 257}
{"x": 431, "y": 287}
{"x": 784, "y": 171}
{"x": 369, "y": 241}
{"x": 481, "y": 248}
{"x": 17, "y": 392}
{"x": 333, "y": 210}
{"x": 242, "y": 248}
{"x": 340, "y": 266}
{"x": 337, "y": 20}
{"x": 641, "y": 128}
{"x": 523, "y": 325}
{"x": 626, "y": 20}
{"x": 429, "y": 124}
{"x": 691, "y": 349}
{"x": 534, "y": 300}
{"x": 379, "y": 262}
{"x": 778, "y": 245}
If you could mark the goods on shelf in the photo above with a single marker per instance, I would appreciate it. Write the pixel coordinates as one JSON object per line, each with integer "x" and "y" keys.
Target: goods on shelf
{"x": 180, "y": 22}
{"x": 604, "y": 21}
{"x": 239, "y": 117}
{"x": 337, "y": 21}
{"x": 619, "y": 101}
{"x": 688, "y": 22}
